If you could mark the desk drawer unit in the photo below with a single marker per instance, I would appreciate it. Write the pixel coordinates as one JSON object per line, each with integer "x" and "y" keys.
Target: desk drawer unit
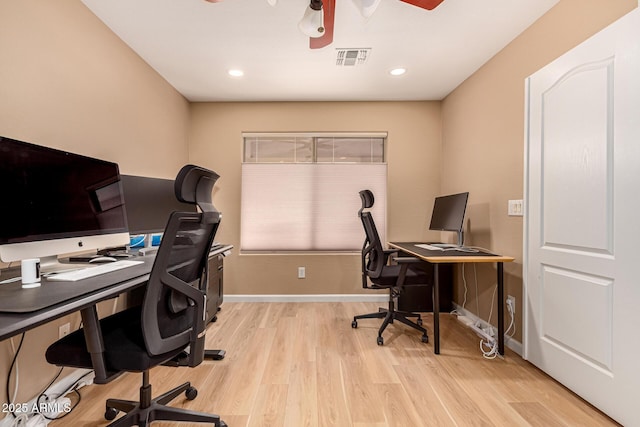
{"x": 420, "y": 298}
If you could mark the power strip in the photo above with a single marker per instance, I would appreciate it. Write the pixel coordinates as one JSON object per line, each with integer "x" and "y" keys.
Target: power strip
{"x": 487, "y": 335}
{"x": 482, "y": 333}
{"x": 465, "y": 320}
{"x": 34, "y": 409}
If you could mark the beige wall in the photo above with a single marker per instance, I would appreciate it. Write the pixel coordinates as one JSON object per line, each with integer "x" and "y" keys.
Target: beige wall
{"x": 68, "y": 82}
{"x": 483, "y": 137}
{"x": 414, "y": 131}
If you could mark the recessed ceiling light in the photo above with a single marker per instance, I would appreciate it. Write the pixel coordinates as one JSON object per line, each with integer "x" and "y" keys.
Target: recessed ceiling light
{"x": 398, "y": 71}
{"x": 236, "y": 73}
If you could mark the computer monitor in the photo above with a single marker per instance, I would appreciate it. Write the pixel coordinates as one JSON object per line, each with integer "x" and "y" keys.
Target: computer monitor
{"x": 149, "y": 202}
{"x": 55, "y": 202}
{"x": 448, "y": 214}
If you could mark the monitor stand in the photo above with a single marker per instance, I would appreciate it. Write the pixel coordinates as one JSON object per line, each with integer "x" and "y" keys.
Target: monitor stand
{"x": 52, "y": 264}
{"x": 460, "y": 235}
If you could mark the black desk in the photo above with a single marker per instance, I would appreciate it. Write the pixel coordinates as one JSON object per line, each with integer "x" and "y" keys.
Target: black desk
{"x": 17, "y": 316}
{"x": 72, "y": 297}
{"x": 454, "y": 257}
{"x": 24, "y": 309}
{"x": 83, "y": 297}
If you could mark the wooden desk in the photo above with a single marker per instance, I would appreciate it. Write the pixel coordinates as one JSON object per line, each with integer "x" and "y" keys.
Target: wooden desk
{"x": 455, "y": 257}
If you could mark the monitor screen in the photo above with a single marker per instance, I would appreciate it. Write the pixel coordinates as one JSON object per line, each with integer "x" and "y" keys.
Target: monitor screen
{"x": 448, "y": 212}
{"x": 149, "y": 202}
{"x": 56, "y": 202}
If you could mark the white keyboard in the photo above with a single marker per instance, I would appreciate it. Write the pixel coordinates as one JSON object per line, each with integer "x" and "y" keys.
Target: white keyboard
{"x": 84, "y": 273}
{"x": 430, "y": 247}
{"x": 446, "y": 247}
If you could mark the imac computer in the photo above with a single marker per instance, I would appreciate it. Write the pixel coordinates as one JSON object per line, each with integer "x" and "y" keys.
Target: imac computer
{"x": 149, "y": 202}
{"x": 448, "y": 214}
{"x": 55, "y": 202}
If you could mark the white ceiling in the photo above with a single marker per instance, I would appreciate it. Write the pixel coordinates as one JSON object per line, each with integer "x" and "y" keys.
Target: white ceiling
{"x": 193, "y": 43}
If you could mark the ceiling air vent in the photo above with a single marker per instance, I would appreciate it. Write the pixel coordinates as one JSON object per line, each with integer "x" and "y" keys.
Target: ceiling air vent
{"x": 352, "y": 57}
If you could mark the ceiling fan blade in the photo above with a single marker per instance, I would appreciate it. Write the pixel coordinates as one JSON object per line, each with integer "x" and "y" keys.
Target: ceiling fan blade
{"x": 424, "y": 4}
{"x": 329, "y": 8}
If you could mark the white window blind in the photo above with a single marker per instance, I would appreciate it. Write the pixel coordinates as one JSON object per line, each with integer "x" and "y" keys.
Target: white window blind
{"x": 308, "y": 206}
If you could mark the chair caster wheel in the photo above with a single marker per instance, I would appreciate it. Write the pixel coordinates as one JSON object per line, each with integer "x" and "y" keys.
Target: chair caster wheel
{"x": 222, "y": 424}
{"x": 191, "y": 393}
{"x": 380, "y": 341}
{"x": 425, "y": 338}
{"x": 110, "y": 414}
{"x": 354, "y": 324}
{"x": 419, "y": 322}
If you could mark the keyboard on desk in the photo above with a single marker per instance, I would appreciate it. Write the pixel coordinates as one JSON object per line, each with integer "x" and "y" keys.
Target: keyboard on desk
{"x": 92, "y": 271}
{"x": 436, "y": 246}
{"x": 446, "y": 247}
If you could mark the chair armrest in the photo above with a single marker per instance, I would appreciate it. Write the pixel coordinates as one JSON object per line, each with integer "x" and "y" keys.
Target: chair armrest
{"x": 404, "y": 266}
{"x": 388, "y": 253}
{"x": 197, "y": 335}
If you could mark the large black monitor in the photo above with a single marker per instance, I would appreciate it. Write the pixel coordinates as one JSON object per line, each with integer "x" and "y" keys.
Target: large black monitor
{"x": 55, "y": 202}
{"x": 448, "y": 214}
{"x": 149, "y": 202}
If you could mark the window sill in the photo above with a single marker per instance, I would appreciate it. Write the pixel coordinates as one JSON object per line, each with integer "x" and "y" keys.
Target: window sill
{"x": 305, "y": 253}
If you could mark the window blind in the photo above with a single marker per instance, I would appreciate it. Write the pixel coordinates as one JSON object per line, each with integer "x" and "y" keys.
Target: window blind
{"x": 308, "y": 206}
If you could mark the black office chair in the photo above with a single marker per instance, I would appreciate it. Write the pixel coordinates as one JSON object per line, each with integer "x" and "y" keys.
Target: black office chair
{"x": 170, "y": 319}
{"x": 376, "y": 269}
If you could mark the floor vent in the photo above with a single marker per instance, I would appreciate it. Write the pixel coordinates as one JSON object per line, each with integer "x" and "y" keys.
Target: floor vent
{"x": 352, "y": 57}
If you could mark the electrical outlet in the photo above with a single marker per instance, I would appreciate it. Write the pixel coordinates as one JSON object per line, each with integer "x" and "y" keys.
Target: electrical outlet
{"x": 301, "y": 272}
{"x": 511, "y": 302}
{"x": 64, "y": 330}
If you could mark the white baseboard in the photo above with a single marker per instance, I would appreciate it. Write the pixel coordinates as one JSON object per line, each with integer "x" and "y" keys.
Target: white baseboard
{"x": 514, "y": 345}
{"x": 308, "y": 298}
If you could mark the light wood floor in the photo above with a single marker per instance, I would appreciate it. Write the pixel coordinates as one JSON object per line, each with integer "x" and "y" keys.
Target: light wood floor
{"x": 301, "y": 364}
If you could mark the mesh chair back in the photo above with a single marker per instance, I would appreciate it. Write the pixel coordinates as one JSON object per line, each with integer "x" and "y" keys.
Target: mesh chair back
{"x": 373, "y": 256}
{"x": 179, "y": 267}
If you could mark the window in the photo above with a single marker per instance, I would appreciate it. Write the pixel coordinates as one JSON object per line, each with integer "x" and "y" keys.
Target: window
{"x": 300, "y": 191}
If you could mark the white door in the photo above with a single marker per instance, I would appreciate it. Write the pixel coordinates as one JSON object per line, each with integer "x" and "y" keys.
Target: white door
{"x": 582, "y": 230}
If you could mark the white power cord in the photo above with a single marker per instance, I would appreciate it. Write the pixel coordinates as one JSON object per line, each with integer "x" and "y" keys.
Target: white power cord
{"x": 511, "y": 309}
{"x": 475, "y": 278}
{"x": 464, "y": 282}
{"x": 490, "y": 349}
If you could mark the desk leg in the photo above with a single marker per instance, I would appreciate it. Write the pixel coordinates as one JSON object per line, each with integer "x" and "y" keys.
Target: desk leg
{"x": 95, "y": 345}
{"x": 436, "y": 309}
{"x": 500, "y": 308}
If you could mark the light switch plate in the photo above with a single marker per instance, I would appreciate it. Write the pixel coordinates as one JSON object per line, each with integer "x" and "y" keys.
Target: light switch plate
{"x": 515, "y": 208}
